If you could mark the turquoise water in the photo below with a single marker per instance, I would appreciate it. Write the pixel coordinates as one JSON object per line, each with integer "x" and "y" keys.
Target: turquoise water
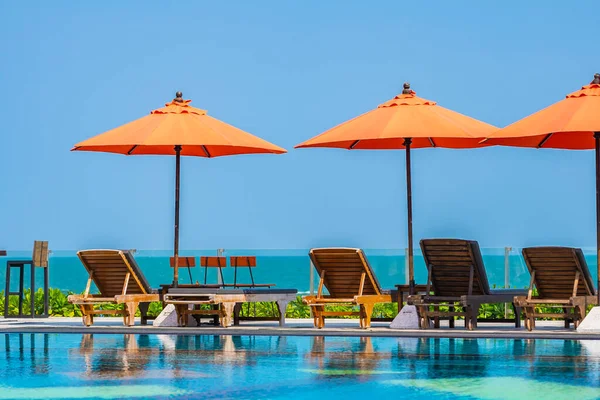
{"x": 57, "y": 366}
{"x": 285, "y": 268}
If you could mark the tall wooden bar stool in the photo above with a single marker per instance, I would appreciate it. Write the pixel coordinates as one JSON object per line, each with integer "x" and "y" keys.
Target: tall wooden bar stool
{"x": 38, "y": 260}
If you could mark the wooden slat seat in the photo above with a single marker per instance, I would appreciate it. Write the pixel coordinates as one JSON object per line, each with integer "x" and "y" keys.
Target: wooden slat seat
{"x": 457, "y": 278}
{"x": 119, "y": 281}
{"x": 562, "y": 278}
{"x": 349, "y": 279}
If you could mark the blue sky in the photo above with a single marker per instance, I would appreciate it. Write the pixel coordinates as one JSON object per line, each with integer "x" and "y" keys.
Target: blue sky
{"x": 287, "y": 71}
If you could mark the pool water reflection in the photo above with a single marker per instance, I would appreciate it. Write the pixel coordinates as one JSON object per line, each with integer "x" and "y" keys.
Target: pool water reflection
{"x": 249, "y": 367}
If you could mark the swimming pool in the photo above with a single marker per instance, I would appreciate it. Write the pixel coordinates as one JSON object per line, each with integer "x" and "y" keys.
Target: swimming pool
{"x": 102, "y": 366}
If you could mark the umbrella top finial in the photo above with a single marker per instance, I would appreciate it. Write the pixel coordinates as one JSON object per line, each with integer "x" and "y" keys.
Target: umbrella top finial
{"x": 406, "y": 89}
{"x": 596, "y": 79}
{"x": 178, "y": 97}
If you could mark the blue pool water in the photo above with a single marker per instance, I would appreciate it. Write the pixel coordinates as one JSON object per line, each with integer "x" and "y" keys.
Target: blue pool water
{"x": 285, "y": 268}
{"x": 88, "y": 366}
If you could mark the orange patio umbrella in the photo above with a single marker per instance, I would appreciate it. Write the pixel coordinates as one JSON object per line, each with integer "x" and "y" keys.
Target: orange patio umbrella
{"x": 572, "y": 123}
{"x": 181, "y": 130}
{"x": 405, "y": 122}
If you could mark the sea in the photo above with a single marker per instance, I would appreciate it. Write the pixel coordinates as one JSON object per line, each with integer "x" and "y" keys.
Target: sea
{"x": 286, "y": 268}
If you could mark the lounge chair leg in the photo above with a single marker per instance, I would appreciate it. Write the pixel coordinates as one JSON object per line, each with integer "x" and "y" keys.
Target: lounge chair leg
{"x": 436, "y": 322}
{"x": 517, "y": 311}
{"x": 529, "y": 318}
{"x": 468, "y": 317}
{"x": 144, "y": 312}
{"x": 315, "y": 314}
{"x": 318, "y": 316}
{"x": 282, "y": 308}
{"x": 181, "y": 314}
{"x": 567, "y": 319}
{"x": 474, "y": 312}
{"x": 366, "y": 311}
{"x": 87, "y": 316}
{"x": 129, "y": 313}
{"x": 227, "y": 314}
{"x": 237, "y": 309}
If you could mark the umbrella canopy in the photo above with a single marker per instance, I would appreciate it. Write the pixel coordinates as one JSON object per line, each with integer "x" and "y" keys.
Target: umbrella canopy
{"x": 404, "y": 122}
{"x": 572, "y": 123}
{"x": 181, "y": 130}
{"x": 178, "y": 124}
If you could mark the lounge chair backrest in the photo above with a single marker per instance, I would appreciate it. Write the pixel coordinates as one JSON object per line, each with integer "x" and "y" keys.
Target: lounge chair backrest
{"x": 343, "y": 269}
{"x": 450, "y": 261}
{"x": 108, "y": 269}
{"x": 555, "y": 269}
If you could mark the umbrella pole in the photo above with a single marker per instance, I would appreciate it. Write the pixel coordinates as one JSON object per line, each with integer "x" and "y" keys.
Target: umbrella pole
{"x": 176, "y": 245}
{"x": 597, "y": 140}
{"x": 411, "y": 272}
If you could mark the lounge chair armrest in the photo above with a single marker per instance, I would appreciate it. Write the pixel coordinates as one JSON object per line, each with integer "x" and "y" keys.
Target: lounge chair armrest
{"x": 309, "y": 299}
{"x": 585, "y": 300}
{"x": 373, "y": 299}
{"x": 138, "y": 298}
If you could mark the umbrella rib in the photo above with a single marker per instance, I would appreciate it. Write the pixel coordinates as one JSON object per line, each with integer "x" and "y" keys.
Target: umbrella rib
{"x": 353, "y": 144}
{"x": 432, "y": 142}
{"x": 205, "y": 151}
{"x": 544, "y": 140}
{"x": 131, "y": 150}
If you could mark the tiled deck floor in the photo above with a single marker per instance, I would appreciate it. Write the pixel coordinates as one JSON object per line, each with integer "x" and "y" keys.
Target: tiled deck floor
{"x": 299, "y": 327}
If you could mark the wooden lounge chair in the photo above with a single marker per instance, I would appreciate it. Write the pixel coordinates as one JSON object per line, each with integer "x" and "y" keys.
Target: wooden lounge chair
{"x": 457, "y": 278}
{"x": 119, "y": 281}
{"x": 562, "y": 279}
{"x": 349, "y": 279}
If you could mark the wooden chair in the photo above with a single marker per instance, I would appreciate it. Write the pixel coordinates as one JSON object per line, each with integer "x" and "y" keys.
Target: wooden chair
{"x": 213, "y": 262}
{"x": 562, "y": 279}
{"x": 457, "y": 279}
{"x": 184, "y": 262}
{"x": 245, "y": 262}
{"x": 119, "y": 281}
{"x": 349, "y": 279}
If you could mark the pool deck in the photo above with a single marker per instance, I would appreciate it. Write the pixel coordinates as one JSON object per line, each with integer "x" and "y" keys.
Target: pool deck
{"x": 295, "y": 327}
